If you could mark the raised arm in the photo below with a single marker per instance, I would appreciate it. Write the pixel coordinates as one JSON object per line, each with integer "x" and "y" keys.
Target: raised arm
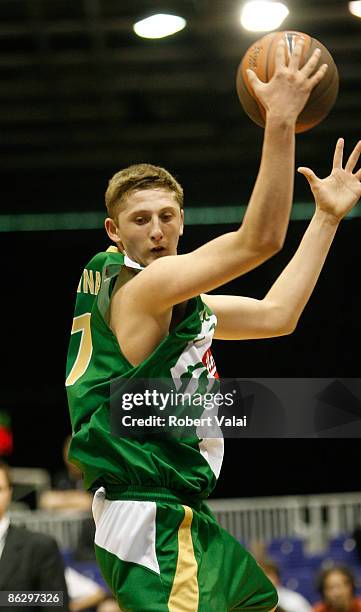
{"x": 268, "y": 211}
{"x": 171, "y": 280}
{"x": 278, "y": 313}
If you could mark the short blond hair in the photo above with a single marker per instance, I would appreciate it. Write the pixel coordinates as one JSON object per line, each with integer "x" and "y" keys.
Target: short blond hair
{"x": 137, "y": 177}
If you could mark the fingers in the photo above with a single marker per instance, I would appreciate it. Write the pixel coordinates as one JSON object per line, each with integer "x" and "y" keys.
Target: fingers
{"x": 311, "y": 64}
{"x": 253, "y": 78}
{"x": 354, "y": 157}
{"x": 338, "y": 154}
{"x": 316, "y": 78}
{"x": 296, "y": 55}
{"x": 309, "y": 174}
{"x": 358, "y": 174}
{"x": 280, "y": 55}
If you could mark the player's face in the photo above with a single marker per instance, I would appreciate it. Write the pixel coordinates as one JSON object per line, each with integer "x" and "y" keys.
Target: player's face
{"x": 338, "y": 591}
{"x": 148, "y": 226}
{"x": 5, "y": 494}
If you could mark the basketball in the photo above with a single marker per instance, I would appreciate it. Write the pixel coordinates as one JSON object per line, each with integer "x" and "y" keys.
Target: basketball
{"x": 260, "y": 57}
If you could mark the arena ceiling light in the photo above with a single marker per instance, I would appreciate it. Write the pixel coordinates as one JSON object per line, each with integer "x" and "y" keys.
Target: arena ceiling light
{"x": 355, "y": 8}
{"x": 159, "y": 26}
{"x": 263, "y": 15}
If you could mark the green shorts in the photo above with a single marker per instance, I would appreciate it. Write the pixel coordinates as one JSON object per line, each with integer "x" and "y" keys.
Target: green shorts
{"x": 169, "y": 557}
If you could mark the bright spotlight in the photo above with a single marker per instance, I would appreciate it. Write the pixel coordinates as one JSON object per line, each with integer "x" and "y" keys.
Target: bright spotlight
{"x": 159, "y": 26}
{"x": 355, "y": 8}
{"x": 263, "y": 16}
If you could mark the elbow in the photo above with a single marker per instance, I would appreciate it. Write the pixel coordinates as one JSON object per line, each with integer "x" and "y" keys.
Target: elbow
{"x": 289, "y": 327}
{"x": 275, "y": 244}
{"x": 270, "y": 247}
{"x": 277, "y": 236}
{"x": 283, "y": 322}
{"x": 272, "y": 241}
{"x": 262, "y": 245}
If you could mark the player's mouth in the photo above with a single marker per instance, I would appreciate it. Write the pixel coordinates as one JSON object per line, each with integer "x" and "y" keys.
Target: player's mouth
{"x": 158, "y": 249}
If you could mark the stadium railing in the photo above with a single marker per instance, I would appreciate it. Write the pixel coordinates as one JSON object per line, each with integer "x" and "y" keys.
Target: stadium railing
{"x": 314, "y": 518}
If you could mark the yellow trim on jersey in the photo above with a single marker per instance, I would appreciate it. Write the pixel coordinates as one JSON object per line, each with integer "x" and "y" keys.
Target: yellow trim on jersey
{"x": 184, "y": 595}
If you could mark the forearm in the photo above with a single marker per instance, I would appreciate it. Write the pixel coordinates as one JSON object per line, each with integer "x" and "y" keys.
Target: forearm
{"x": 293, "y": 288}
{"x": 268, "y": 211}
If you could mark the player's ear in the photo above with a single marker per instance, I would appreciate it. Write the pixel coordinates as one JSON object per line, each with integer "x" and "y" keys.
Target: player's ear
{"x": 112, "y": 230}
{"x": 182, "y": 222}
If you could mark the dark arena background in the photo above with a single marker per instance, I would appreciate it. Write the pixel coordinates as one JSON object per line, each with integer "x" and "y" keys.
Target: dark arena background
{"x": 82, "y": 96}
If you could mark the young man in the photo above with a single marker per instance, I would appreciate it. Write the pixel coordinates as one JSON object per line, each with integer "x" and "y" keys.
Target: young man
{"x": 139, "y": 314}
{"x": 29, "y": 561}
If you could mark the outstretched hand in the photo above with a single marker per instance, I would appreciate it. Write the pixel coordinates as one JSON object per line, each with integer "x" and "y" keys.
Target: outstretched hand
{"x": 290, "y": 86}
{"x": 338, "y": 193}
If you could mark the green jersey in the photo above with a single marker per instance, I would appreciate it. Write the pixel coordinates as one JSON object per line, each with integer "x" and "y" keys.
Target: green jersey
{"x": 189, "y": 467}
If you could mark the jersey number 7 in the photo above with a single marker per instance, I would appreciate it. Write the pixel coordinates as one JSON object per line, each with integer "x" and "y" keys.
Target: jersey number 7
{"x": 81, "y": 324}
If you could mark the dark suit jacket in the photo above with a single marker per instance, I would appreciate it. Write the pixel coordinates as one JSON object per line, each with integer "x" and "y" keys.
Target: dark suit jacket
{"x": 32, "y": 562}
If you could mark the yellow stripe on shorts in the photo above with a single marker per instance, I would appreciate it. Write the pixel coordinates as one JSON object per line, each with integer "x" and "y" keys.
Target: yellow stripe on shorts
{"x": 184, "y": 595}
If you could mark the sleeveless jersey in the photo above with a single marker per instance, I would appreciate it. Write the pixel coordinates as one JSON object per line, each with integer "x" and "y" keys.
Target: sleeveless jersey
{"x": 188, "y": 467}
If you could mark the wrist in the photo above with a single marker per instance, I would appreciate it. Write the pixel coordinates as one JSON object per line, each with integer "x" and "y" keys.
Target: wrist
{"x": 279, "y": 120}
{"x": 327, "y": 217}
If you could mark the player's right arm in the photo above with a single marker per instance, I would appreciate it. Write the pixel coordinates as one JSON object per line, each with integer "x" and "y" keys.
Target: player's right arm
{"x": 174, "y": 279}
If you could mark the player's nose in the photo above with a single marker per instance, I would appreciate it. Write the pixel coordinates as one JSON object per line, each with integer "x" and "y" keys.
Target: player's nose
{"x": 156, "y": 233}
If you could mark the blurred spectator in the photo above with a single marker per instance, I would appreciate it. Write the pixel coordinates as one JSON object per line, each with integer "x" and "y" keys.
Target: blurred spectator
{"x": 337, "y": 587}
{"x": 85, "y": 550}
{"x": 68, "y": 492}
{"x": 288, "y": 600}
{"x": 109, "y": 605}
{"x": 84, "y": 593}
{"x": 28, "y": 561}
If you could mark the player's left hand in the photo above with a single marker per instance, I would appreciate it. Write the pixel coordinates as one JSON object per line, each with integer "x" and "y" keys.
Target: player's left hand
{"x": 338, "y": 193}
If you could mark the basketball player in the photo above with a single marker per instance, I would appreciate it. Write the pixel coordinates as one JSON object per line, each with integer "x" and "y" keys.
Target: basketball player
{"x": 142, "y": 311}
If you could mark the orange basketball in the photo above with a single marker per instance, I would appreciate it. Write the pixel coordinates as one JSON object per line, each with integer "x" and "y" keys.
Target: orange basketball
{"x": 260, "y": 57}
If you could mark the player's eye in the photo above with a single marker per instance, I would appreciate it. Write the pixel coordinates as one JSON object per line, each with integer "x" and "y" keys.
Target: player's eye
{"x": 140, "y": 220}
{"x": 167, "y": 217}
